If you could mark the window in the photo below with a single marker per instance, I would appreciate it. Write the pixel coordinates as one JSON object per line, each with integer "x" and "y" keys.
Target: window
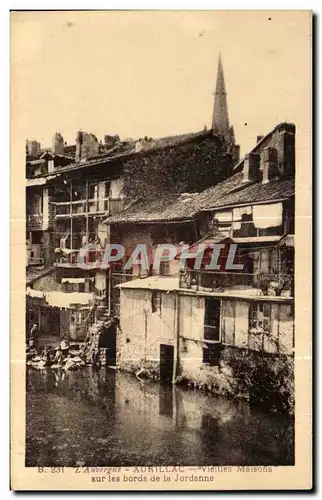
{"x": 36, "y": 205}
{"x": 259, "y": 325}
{"x": 221, "y": 222}
{"x": 156, "y": 301}
{"x": 164, "y": 268}
{"x": 93, "y": 192}
{"x": 212, "y": 320}
{"x": 37, "y": 237}
{"x": 212, "y": 338}
{"x": 107, "y": 189}
{"x": 260, "y": 316}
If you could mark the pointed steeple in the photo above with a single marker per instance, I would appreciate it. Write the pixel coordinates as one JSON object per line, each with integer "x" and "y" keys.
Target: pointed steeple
{"x": 220, "y": 120}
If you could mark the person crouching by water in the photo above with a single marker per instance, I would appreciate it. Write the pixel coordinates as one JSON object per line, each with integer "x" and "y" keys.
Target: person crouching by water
{"x": 52, "y": 355}
{"x": 58, "y": 360}
{"x": 64, "y": 347}
{"x": 33, "y": 334}
{"x": 45, "y": 356}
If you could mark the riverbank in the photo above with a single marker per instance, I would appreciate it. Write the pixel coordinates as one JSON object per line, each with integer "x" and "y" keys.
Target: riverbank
{"x": 241, "y": 374}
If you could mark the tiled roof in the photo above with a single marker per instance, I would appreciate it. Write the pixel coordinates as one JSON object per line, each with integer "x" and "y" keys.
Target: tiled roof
{"x": 166, "y": 208}
{"x": 175, "y": 207}
{"x": 252, "y": 192}
{"x": 50, "y": 154}
{"x": 230, "y": 192}
{"x": 208, "y": 198}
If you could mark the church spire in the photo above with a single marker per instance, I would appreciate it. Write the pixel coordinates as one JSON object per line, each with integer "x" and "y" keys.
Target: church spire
{"x": 220, "y": 120}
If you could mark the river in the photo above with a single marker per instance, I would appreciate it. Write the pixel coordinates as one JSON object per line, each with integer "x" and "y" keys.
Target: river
{"x": 96, "y": 417}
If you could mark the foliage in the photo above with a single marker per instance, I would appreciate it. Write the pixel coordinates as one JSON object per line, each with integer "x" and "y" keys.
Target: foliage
{"x": 281, "y": 282}
{"x": 190, "y": 167}
{"x": 267, "y": 378}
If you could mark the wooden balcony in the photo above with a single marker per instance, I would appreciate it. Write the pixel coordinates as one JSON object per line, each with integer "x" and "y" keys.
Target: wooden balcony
{"x": 106, "y": 206}
{"x": 249, "y": 284}
{"x": 69, "y": 258}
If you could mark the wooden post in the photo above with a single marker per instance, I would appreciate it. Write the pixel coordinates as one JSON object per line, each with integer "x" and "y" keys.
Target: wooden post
{"x": 176, "y": 364}
{"x": 86, "y": 208}
{"x": 109, "y": 289}
{"x": 39, "y": 319}
{"x": 71, "y": 220}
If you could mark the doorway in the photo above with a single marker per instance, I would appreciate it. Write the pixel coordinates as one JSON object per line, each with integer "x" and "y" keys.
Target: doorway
{"x": 108, "y": 341}
{"x": 166, "y": 363}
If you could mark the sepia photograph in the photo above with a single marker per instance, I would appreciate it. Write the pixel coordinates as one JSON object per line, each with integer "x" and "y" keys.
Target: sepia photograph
{"x": 162, "y": 181}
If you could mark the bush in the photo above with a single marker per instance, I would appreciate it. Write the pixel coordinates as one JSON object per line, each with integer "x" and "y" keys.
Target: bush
{"x": 267, "y": 378}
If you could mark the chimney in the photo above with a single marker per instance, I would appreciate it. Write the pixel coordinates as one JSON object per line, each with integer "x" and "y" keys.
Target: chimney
{"x": 251, "y": 167}
{"x": 259, "y": 138}
{"x": 51, "y": 165}
{"x": 79, "y": 143}
{"x": 58, "y": 144}
{"x": 270, "y": 164}
{"x": 111, "y": 140}
{"x": 33, "y": 148}
{"x": 236, "y": 153}
{"x": 87, "y": 147}
{"x": 286, "y": 152}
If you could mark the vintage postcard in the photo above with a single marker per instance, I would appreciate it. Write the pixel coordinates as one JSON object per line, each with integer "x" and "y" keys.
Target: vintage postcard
{"x": 161, "y": 174}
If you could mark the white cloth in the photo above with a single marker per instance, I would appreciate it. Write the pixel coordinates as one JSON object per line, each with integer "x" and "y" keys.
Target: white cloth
{"x": 224, "y": 216}
{"x": 236, "y": 225}
{"x": 240, "y": 211}
{"x": 63, "y": 241}
{"x": 73, "y": 280}
{"x": 265, "y": 216}
{"x": 61, "y": 299}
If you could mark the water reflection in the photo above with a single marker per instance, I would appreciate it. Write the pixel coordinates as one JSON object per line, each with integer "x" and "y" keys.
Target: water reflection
{"x": 103, "y": 417}
{"x": 165, "y": 401}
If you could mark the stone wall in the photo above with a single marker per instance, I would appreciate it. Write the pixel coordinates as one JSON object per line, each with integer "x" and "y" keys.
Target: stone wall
{"x": 47, "y": 283}
{"x": 142, "y": 330}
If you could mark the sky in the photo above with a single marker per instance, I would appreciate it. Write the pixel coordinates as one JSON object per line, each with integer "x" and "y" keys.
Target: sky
{"x": 153, "y": 74}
